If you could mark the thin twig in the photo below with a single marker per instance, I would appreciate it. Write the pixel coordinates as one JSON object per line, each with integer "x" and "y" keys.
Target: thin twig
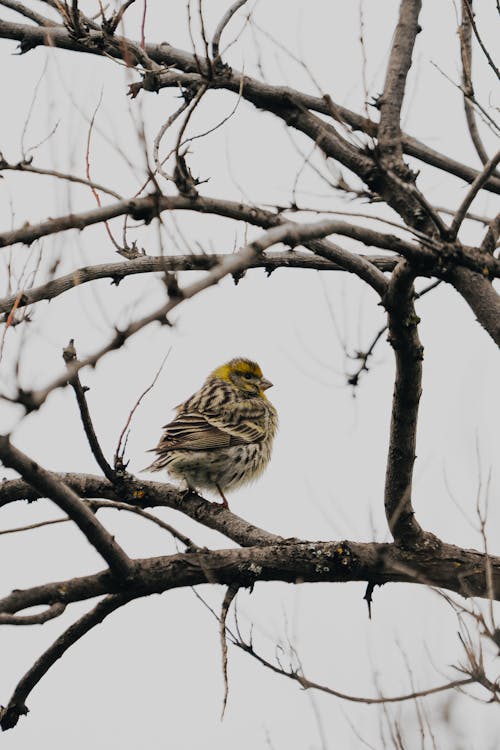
{"x": 309, "y": 684}
{"x": 118, "y": 452}
{"x": 473, "y": 190}
{"x": 220, "y": 28}
{"x": 228, "y": 598}
{"x": 481, "y": 43}
{"x": 69, "y": 356}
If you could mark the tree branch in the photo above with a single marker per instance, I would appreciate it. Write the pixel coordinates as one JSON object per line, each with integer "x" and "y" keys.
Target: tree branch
{"x": 481, "y": 296}
{"x": 404, "y": 339}
{"x": 465, "y": 36}
{"x": 16, "y": 707}
{"x": 151, "y": 263}
{"x": 389, "y": 129}
{"x": 288, "y": 233}
{"x": 438, "y": 564}
{"x": 69, "y": 356}
{"x": 474, "y": 189}
{"x": 49, "y": 485}
{"x": 145, "y": 494}
{"x": 164, "y": 54}
{"x": 306, "y": 684}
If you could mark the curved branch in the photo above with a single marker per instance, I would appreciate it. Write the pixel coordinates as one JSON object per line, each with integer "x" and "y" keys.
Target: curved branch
{"x": 16, "y": 707}
{"x": 481, "y": 296}
{"x": 26, "y": 166}
{"x": 221, "y": 26}
{"x": 145, "y": 494}
{"x": 151, "y": 263}
{"x": 474, "y": 189}
{"x": 307, "y": 684}
{"x": 52, "y": 611}
{"x": 52, "y": 487}
{"x": 465, "y": 36}
{"x": 404, "y": 339}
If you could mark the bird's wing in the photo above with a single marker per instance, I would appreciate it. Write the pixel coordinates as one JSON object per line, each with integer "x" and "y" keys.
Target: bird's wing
{"x": 195, "y": 432}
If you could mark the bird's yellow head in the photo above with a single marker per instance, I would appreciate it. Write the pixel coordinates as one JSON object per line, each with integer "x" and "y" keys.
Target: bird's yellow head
{"x": 244, "y": 375}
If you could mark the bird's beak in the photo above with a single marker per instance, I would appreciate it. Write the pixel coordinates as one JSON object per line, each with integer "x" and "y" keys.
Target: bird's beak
{"x": 265, "y": 384}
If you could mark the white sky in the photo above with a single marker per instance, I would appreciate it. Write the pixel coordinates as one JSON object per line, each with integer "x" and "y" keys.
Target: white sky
{"x": 150, "y": 676}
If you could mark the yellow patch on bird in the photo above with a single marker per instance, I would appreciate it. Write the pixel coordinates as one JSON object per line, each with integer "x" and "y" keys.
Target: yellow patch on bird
{"x": 237, "y": 365}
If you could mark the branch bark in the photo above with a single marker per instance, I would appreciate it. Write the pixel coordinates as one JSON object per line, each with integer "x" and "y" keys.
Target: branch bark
{"x": 389, "y": 129}
{"x": 151, "y": 263}
{"x": 482, "y": 298}
{"x": 50, "y": 486}
{"x": 408, "y": 351}
{"x": 16, "y": 706}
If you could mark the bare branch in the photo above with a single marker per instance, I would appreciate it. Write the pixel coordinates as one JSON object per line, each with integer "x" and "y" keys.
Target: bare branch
{"x": 306, "y": 684}
{"x": 27, "y": 166}
{"x": 476, "y": 186}
{"x": 52, "y": 611}
{"x": 221, "y": 26}
{"x": 16, "y": 707}
{"x": 28, "y": 13}
{"x": 481, "y": 296}
{"x": 441, "y": 565}
{"x": 228, "y": 598}
{"x": 69, "y": 356}
{"x": 404, "y": 339}
{"x": 465, "y": 36}
{"x": 288, "y": 233}
{"x": 150, "y": 263}
{"x": 389, "y": 129}
{"x": 145, "y": 494}
{"x": 166, "y": 55}
{"x": 49, "y": 485}
{"x": 490, "y": 239}
{"x": 481, "y": 43}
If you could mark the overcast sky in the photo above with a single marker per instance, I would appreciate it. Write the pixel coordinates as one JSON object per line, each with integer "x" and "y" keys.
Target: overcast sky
{"x": 150, "y": 676}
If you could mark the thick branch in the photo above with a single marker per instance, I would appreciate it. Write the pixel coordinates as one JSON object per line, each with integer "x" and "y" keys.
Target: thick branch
{"x": 435, "y": 564}
{"x": 146, "y": 494}
{"x": 404, "y": 339}
{"x": 49, "y": 485}
{"x": 482, "y": 298}
{"x": 389, "y": 129}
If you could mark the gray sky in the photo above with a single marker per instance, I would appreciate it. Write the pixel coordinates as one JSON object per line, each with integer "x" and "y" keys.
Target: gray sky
{"x": 150, "y": 676}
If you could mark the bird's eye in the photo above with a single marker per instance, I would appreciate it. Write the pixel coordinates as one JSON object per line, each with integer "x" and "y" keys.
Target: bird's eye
{"x": 247, "y": 375}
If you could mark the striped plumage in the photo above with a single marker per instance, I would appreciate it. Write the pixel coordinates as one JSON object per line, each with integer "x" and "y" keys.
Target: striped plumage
{"x": 222, "y": 436}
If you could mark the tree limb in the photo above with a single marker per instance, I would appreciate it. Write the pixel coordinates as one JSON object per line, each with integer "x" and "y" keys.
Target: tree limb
{"x": 481, "y": 296}
{"x": 52, "y": 487}
{"x": 16, "y": 707}
{"x": 151, "y": 263}
{"x": 389, "y": 129}
{"x": 408, "y": 351}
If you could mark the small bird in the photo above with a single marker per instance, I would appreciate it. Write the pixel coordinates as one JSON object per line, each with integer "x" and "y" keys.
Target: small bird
{"x": 222, "y": 436}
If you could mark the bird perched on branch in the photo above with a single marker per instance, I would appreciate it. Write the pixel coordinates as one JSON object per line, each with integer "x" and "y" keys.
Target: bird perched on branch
{"x": 222, "y": 436}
